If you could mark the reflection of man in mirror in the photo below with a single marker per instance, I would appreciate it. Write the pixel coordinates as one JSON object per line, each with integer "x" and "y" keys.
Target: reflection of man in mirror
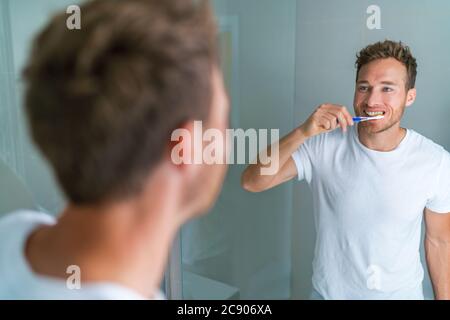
{"x": 372, "y": 185}
{"x": 102, "y": 103}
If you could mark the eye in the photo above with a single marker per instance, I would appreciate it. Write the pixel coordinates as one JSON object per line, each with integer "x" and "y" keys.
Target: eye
{"x": 387, "y": 89}
{"x": 363, "y": 88}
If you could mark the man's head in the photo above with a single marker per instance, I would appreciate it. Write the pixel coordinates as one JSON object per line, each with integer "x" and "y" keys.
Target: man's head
{"x": 385, "y": 84}
{"x": 103, "y": 101}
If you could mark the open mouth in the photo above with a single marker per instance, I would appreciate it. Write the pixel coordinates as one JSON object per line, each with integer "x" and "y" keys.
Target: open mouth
{"x": 374, "y": 113}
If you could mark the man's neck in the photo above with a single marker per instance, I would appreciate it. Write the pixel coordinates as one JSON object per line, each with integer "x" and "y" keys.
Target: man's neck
{"x": 384, "y": 141}
{"x": 126, "y": 244}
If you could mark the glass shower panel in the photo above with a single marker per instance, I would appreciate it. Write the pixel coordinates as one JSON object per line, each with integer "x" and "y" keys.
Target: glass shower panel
{"x": 241, "y": 249}
{"x": 21, "y": 165}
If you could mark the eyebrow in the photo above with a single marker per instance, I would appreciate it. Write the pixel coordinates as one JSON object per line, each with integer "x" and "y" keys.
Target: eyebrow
{"x": 382, "y": 82}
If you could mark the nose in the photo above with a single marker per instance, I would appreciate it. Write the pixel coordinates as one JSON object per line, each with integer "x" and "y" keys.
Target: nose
{"x": 374, "y": 99}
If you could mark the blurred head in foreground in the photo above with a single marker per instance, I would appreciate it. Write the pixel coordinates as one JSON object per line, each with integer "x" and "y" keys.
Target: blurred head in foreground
{"x": 103, "y": 101}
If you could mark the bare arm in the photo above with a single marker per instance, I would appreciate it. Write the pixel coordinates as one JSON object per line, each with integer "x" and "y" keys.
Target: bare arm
{"x": 437, "y": 249}
{"x": 326, "y": 117}
{"x": 252, "y": 179}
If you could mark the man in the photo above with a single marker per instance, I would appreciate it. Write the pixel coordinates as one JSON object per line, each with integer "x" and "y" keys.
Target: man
{"x": 372, "y": 184}
{"x": 102, "y": 104}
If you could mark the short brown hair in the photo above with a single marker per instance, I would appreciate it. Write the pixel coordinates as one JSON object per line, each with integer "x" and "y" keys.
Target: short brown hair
{"x": 389, "y": 49}
{"x": 103, "y": 101}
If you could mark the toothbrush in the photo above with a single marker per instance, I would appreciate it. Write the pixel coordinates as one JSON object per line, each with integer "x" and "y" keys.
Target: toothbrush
{"x": 361, "y": 119}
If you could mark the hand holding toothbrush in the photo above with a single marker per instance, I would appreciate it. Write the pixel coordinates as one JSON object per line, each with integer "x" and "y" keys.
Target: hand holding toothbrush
{"x": 327, "y": 117}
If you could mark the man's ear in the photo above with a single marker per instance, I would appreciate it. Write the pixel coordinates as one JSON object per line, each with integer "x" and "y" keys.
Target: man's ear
{"x": 410, "y": 97}
{"x": 180, "y": 153}
{"x": 180, "y": 146}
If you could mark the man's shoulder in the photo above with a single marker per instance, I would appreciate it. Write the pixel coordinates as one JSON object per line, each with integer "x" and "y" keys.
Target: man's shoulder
{"x": 16, "y": 225}
{"x": 14, "y": 230}
{"x": 23, "y": 219}
{"x": 427, "y": 146}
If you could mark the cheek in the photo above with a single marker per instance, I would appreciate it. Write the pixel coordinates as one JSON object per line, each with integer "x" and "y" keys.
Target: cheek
{"x": 397, "y": 99}
{"x": 395, "y": 104}
{"x": 359, "y": 97}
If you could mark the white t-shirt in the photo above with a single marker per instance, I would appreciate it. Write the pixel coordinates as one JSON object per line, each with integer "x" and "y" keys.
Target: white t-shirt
{"x": 18, "y": 281}
{"x": 368, "y": 210}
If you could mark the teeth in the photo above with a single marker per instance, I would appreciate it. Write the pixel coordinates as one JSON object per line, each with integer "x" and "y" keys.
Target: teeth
{"x": 374, "y": 114}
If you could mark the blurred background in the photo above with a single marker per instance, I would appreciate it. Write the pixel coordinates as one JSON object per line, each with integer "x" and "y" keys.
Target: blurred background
{"x": 280, "y": 59}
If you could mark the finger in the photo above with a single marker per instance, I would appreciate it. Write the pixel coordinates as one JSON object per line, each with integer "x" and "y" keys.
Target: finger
{"x": 343, "y": 116}
{"x": 334, "y": 119}
{"x": 322, "y": 121}
{"x": 342, "y": 121}
{"x": 326, "y": 124}
{"x": 329, "y": 121}
{"x": 348, "y": 116}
